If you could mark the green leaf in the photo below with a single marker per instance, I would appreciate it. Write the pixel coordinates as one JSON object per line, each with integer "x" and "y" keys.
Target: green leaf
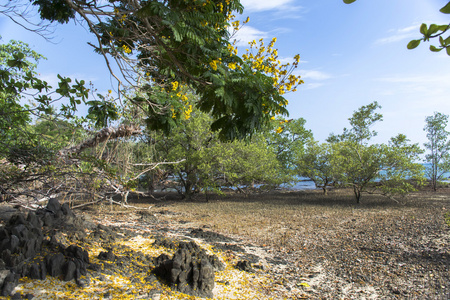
{"x": 448, "y": 51}
{"x": 423, "y": 29}
{"x": 434, "y": 49}
{"x": 433, "y": 29}
{"x": 349, "y": 1}
{"x": 413, "y": 44}
{"x": 445, "y": 9}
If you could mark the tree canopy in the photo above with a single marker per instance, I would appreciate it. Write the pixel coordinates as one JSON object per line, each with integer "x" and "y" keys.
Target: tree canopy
{"x": 349, "y": 160}
{"x": 162, "y": 47}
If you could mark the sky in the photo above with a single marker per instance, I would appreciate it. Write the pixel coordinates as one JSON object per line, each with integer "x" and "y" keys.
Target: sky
{"x": 351, "y": 55}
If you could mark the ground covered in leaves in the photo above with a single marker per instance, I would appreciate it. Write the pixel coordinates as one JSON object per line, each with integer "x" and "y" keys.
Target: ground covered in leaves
{"x": 291, "y": 245}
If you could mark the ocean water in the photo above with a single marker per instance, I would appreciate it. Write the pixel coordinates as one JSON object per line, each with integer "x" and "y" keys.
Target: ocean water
{"x": 307, "y": 184}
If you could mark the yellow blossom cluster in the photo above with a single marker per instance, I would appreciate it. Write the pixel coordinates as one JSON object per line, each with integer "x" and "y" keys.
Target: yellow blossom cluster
{"x": 265, "y": 59}
{"x": 232, "y": 49}
{"x": 177, "y": 91}
{"x": 126, "y": 49}
{"x": 215, "y": 63}
{"x": 187, "y": 112}
{"x": 281, "y": 127}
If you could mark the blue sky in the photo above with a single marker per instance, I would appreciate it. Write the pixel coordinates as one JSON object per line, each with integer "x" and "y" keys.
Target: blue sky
{"x": 351, "y": 55}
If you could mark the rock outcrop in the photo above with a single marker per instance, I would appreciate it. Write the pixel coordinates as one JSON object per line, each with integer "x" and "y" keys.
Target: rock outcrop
{"x": 190, "y": 270}
{"x": 26, "y": 251}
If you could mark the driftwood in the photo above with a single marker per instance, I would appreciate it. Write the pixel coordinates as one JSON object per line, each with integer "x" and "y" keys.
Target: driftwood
{"x": 105, "y": 134}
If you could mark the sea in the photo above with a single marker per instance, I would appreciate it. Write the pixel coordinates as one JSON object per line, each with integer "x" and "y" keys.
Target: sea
{"x": 307, "y": 184}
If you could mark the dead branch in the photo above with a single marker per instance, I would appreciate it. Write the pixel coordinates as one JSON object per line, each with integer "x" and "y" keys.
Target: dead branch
{"x": 102, "y": 136}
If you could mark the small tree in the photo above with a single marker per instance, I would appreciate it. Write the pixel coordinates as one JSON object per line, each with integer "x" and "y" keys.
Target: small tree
{"x": 209, "y": 163}
{"x": 287, "y": 139}
{"x": 245, "y": 163}
{"x": 438, "y": 146}
{"x": 368, "y": 168}
{"x": 318, "y": 164}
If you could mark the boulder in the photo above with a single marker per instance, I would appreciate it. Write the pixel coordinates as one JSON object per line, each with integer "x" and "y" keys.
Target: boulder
{"x": 22, "y": 239}
{"x": 190, "y": 270}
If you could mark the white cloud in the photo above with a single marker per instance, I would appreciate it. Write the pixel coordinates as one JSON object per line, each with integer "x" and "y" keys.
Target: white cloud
{"x": 436, "y": 79}
{"x": 314, "y": 74}
{"x": 264, "y": 5}
{"x": 310, "y": 86}
{"x": 399, "y": 35}
{"x": 422, "y": 91}
{"x": 247, "y": 34}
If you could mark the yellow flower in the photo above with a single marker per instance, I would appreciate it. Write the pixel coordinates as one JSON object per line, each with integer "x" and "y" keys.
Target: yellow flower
{"x": 187, "y": 113}
{"x": 279, "y": 130}
{"x": 174, "y": 85}
{"x": 232, "y": 66}
{"x": 213, "y": 64}
{"x": 126, "y": 49}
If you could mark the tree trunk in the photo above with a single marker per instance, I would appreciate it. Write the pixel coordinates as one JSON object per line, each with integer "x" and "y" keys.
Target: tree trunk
{"x": 357, "y": 194}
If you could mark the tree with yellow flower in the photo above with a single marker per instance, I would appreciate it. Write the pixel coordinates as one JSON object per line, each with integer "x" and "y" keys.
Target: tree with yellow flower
{"x": 160, "y": 45}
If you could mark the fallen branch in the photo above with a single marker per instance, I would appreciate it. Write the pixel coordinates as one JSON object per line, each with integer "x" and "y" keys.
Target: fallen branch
{"x": 102, "y": 136}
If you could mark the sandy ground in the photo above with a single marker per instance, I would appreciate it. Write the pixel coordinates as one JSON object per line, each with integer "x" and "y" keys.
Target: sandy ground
{"x": 302, "y": 245}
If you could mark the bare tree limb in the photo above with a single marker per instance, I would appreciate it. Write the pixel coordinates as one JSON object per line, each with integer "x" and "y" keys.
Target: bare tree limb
{"x": 102, "y": 136}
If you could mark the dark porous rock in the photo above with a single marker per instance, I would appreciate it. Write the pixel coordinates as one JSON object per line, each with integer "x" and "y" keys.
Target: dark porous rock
{"x": 161, "y": 241}
{"x": 54, "y": 264}
{"x": 148, "y": 217}
{"x": 48, "y": 219}
{"x": 77, "y": 252}
{"x": 11, "y": 260}
{"x": 53, "y": 206}
{"x": 94, "y": 267}
{"x": 38, "y": 271}
{"x": 33, "y": 219}
{"x": 58, "y": 240}
{"x": 20, "y": 296}
{"x": 190, "y": 271}
{"x": 9, "y": 283}
{"x": 3, "y": 234}
{"x": 251, "y": 258}
{"x": 104, "y": 233}
{"x": 3, "y": 275}
{"x": 57, "y": 215}
{"x": 65, "y": 208}
{"x": 22, "y": 239}
{"x": 83, "y": 282}
{"x": 17, "y": 219}
{"x": 245, "y": 265}
{"x": 11, "y": 243}
{"x": 69, "y": 270}
{"x": 110, "y": 256}
{"x": 210, "y": 236}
